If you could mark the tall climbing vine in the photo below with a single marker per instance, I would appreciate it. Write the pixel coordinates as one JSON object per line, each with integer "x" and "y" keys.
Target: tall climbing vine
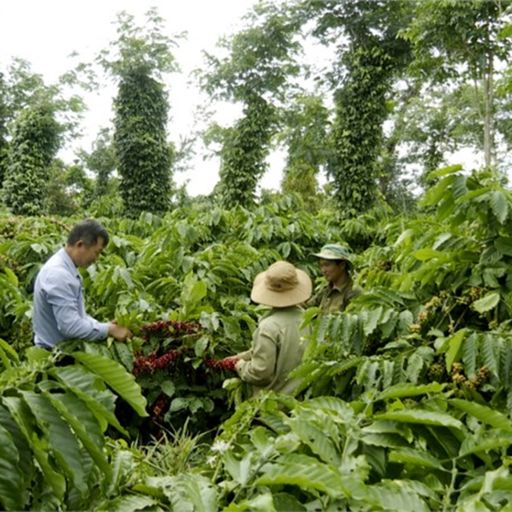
{"x": 34, "y": 144}
{"x": 137, "y": 60}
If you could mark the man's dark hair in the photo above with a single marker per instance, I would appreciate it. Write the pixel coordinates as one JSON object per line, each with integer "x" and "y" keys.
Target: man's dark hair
{"x": 88, "y": 231}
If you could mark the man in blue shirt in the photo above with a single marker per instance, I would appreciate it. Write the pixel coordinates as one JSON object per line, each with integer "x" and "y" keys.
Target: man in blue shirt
{"x": 59, "y": 311}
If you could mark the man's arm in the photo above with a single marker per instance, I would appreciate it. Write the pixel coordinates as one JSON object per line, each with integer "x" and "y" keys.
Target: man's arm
{"x": 259, "y": 370}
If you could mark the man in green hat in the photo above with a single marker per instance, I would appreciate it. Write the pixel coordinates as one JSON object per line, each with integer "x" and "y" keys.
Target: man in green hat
{"x": 336, "y": 265}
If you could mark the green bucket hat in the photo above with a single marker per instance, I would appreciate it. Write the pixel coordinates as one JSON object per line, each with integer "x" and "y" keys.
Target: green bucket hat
{"x": 334, "y": 252}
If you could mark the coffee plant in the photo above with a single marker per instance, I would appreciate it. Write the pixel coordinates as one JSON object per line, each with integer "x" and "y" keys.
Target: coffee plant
{"x": 405, "y": 398}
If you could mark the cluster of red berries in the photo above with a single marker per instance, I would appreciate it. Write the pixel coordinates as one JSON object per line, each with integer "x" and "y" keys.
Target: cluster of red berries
{"x": 222, "y": 364}
{"x": 165, "y": 328}
{"x": 148, "y": 364}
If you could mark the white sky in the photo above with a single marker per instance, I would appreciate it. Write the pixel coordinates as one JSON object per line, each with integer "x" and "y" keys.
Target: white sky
{"x": 46, "y": 32}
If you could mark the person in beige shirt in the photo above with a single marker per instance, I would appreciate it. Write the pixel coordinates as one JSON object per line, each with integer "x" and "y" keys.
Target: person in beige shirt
{"x": 278, "y": 343}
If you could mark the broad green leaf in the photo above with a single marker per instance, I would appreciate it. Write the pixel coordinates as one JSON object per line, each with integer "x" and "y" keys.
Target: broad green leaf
{"x": 317, "y": 440}
{"x": 469, "y": 354}
{"x": 505, "y": 32}
{"x": 262, "y": 441}
{"x": 471, "y": 444}
{"x": 415, "y": 364}
{"x": 4, "y": 358}
{"x": 21, "y": 415}
{"x": 11, "y": 276}
{"x": 435, "y": 193}
{"x": 25, "y": 457}
{"x": 479, "y": 193}
{"x": 389, "y": 427}
{"x": 128, "y": 503}
{"x": 83, "y": 384}
{"x": 331, "y": 403}
{"x": 168, "y": 388}
{"x": 179, "y": 403}
{"x": 193, "y": 291}
{"x": 238, "y": 468}
{"x": 487, "y": 302}
{"x": 115, "y": 375}
{"x": 125, "y": 274}
{"x": 264, "y": 503}
{"x": 36, "y": 354}
{"x": 428, "y": 254}
{"x": 62, "y": 403}
{"x": 483, "y": 413}
{"x": 62, "y": 442}
{"x": 444, "y": 171}
{"x": 415, "y": 458}
{"x": 499, "y": 205}
{"x": 192, "y": 492}
{"x": 9, "y": 351}
{"x": 12, "y": 495}
{"x": 372, "y": 320}
{"x": 395, "y": 497}
{"x": 403, "y": 390}
{"x": 504, "y": 245}
{"x": 122, "y": 467}
{"x": 421, "y": 417}
{"x": 454, "y": 345}
{"x": 305, "y": 472}
{"x": 384, "y": 440}
{"x": 441, "y": 239}
{"x": 489, "y": 349}
{"x": 405, "y": 236}
{"x": 201, "y": 345}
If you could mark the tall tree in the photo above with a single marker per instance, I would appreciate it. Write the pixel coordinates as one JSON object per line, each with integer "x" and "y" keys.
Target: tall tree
{"x": 305, "y": 134}
{"x": 259, "y": 62}
{"x": 21, "y": 89}
{"x": 459, "y": 41}
{"x": 34, "y": 144}
{"x": 101, "y": 160}
{"x": 137, "y": 60}
{"x": 4, "y": 146}
{"x": 371, "y": 55}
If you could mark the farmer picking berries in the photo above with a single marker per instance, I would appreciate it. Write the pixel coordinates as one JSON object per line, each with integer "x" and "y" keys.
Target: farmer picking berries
{"x": 278, "y": 343}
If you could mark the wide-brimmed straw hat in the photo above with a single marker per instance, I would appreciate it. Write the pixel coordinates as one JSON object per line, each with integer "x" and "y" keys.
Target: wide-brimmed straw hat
{"x": 281, "y": 285}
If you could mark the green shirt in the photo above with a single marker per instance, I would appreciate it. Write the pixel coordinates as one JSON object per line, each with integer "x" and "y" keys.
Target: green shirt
{"x": 277, "y": 348}
{"x": 331, "y": 299}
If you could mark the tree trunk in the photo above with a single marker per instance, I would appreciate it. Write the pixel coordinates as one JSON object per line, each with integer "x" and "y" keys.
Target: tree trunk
{"x": 488, "y": 111}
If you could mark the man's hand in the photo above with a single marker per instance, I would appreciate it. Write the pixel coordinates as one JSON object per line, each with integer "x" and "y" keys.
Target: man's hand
{"x": 119, "y": 332}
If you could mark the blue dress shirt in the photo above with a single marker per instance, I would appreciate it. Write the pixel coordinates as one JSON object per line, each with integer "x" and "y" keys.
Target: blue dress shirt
{"x": 58, "y": 305}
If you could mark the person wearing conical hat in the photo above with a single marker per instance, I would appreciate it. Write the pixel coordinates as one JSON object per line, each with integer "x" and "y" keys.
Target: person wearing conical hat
{"x": 278, "y": 343}
{"x": 336, "y": 265}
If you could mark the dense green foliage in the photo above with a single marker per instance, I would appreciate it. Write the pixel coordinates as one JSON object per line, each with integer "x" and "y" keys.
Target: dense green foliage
{"x": 52, "y": 425}
{"x": 405, "y": 397}
{"x": 305, "y": 136}
{"x": 34, "y": 144}
{"x": 3, "y": 130}
{"x": 357, "y": 130}
{"x": 245, "y": 147}
{"x": 143, "y": 155}
{"x": 259, "y": 64}
{"x": 101, "y": 160}
{"x": 405, "y": 401}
